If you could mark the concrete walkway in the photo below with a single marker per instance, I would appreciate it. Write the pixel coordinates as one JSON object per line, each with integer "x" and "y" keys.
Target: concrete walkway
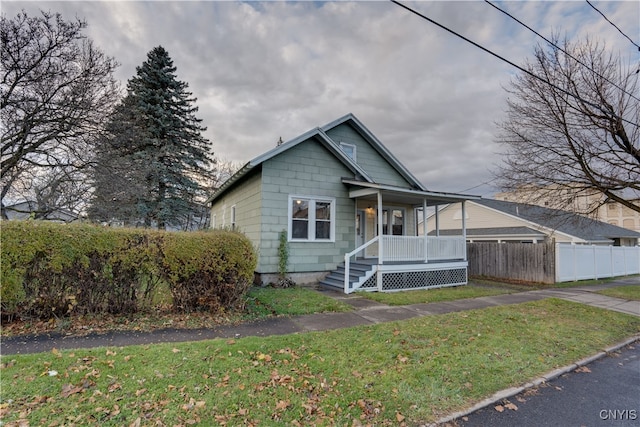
{"x": 366, "y": 312}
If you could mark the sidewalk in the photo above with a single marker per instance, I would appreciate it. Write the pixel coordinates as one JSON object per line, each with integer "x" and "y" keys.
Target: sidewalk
{"x": 366, "y": 312}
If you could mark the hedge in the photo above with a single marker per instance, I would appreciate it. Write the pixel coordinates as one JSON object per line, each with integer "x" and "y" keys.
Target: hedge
{"x": 53, "y": 270}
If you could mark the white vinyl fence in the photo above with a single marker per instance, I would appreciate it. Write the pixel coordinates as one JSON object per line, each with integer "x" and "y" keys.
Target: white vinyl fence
{"x": 581, "y": 262}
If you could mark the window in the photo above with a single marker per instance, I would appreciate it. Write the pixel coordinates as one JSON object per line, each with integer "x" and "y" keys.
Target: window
{"x": 349, "y": 150}
{"x": 311, "y": 219}
{"x": 393, "y": 219}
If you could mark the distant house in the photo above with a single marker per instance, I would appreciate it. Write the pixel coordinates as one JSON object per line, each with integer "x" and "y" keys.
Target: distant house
{"x": 611, "y": 212}
{"x": 489, "y": 220}
{"x": 346, "y": 205}
{"x": 31, "y": 210}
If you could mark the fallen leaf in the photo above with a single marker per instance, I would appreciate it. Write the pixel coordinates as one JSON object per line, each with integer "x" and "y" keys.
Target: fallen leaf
{"x": 399, "y": 417}
{"x": 175, "y": 350}
{"x": 136, "y": 423}
{"x": 69, "y": 389}
{"x": 511, "y": 406}
{"x": 499, "y": 408}
{"x": 282, "y": 405}
{"x": 583, "y": 369}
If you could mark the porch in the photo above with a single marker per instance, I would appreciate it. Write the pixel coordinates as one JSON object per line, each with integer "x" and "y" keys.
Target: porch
{"x": 394, "y": 256}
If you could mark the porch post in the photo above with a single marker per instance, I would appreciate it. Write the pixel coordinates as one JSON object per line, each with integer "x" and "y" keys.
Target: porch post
{"x": 380, "y": 242}
{"x": 437, "y": 222}
{"x": 464, "y": 228}
{"x": 424, "y": 229}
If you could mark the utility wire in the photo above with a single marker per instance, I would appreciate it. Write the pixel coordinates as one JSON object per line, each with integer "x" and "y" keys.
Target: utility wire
{"x": 535, "y": 76}
{"x": 614, "y": 25}
{"x": 561, "y": 49}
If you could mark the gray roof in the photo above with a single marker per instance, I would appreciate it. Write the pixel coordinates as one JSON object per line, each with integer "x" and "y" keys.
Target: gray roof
{"x": 566, "y": 222}
{"x": 492, "y": 231}
{"x": 320, "y": 135}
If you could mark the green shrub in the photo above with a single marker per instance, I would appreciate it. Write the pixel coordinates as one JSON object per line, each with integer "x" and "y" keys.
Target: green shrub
{"x": 52, "y": 270}
{"x": 210, "y": 270}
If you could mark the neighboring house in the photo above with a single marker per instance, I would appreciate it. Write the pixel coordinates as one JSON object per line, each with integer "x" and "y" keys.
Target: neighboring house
{"x": 490, "y": 220}
{"x": 334, "y": 191}
{"x": 30, "y": 210}
{"x": 610, "y": 212}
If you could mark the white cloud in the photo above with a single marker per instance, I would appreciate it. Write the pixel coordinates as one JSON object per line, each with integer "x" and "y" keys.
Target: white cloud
{"x": 262, "y": 71}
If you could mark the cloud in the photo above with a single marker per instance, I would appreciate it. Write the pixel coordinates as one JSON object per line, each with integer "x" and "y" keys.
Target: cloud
{"x": 262, "y": 71}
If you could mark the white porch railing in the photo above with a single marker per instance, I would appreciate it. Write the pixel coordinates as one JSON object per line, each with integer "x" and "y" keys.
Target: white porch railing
{"x": 411, "y": 248}
{"x": 441, "y": 248}
{"x": 347, "y": 261}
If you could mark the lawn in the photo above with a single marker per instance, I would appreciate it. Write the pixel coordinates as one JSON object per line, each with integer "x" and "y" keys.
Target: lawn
{"x": 397, "y": 373}
{"x": 260, "y": 303}
{"x": 631, "y": 292}
{"x": 436, "y": 295}
{"x": 292, "y": 302}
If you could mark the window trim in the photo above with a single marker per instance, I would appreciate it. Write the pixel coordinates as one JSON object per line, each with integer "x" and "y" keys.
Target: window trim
{"x": 353, "y": 146}
{"x": 311, "y": 230}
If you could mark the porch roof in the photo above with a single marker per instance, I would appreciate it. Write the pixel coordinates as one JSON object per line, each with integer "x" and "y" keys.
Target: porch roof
{"x": 391, "y": 194}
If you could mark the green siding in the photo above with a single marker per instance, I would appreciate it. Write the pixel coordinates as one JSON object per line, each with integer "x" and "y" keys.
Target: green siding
{"x": 307, "y": 169}
{"x": 247, "y": 199}
{"x": 367, "y": 157}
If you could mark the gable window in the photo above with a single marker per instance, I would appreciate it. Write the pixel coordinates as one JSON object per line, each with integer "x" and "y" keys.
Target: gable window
{"x": 311, "y": 219}
{"x": 349, "y": 150}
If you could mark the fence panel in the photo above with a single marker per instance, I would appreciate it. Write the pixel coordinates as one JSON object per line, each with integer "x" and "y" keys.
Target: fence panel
{"x": 513, "y": 261}
{"x": 582, "y": 262}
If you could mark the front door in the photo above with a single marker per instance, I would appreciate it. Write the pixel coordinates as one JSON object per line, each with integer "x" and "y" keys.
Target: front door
{"x": 360, "y": 236}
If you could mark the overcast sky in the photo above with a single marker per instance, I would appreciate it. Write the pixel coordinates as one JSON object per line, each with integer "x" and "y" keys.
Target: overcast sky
{"x": 265, "y": 70}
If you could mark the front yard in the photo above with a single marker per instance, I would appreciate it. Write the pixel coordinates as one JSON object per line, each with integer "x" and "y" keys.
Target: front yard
{"x": 396, "y": 373}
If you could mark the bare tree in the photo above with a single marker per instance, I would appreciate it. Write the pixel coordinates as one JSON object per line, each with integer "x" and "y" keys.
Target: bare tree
{"x": 574, "y": 131}
{"x": 56, "y": 90}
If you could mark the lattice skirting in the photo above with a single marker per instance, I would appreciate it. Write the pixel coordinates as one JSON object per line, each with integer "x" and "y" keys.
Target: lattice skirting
{"x": 394, "y": 281}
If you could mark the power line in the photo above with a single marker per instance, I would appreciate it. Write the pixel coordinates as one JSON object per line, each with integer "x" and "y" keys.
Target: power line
{"x": 535, "y": 76}
{"x": 614, "y": 25}
{"x": 561, "y": 49}
{"x": 479, "y": 185}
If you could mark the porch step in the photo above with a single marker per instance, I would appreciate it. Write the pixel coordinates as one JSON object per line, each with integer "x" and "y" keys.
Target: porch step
{"x": 335, "y": 279}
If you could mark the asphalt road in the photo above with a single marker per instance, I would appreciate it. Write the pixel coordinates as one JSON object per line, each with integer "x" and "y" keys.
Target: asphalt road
{"x": 607, "y": 393}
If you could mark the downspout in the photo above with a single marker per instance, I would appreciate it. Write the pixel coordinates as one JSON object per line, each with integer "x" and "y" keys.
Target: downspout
{"x": 424, "y": 228}
{"x": 464, "y": 228}
{"x": 380, "y": 242}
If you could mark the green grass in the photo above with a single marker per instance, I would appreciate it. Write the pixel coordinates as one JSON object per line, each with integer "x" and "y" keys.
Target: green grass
{"x": 292, "y": 301}
{"x": 631, "y": 292}
{"x": 435, "y": 295}
{"x": 416, "y": 371}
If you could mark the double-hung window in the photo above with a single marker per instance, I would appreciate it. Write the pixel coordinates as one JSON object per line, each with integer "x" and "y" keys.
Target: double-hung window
{"x": 311, "y": 219}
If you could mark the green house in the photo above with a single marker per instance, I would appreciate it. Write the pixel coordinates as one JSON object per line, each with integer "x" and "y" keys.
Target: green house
{"x": 349, "y": 209}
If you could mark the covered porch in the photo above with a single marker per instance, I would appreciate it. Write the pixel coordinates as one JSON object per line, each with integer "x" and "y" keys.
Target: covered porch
{"x": 390, "y": 253}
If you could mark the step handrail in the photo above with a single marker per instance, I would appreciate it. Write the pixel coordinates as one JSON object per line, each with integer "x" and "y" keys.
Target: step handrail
{"x": 347, "y": 260}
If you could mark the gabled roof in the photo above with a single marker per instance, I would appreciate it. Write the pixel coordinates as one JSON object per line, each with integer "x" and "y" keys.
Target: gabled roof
{"x": 587, "y": 229}
{"x": 492, "y": 231}
{"x": 320, "y": 135}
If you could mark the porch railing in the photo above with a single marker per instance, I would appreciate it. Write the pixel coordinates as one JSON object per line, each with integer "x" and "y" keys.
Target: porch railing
{"x": 412, "y": 248}
{"x": 347, "y": 261}
{"x": 446, "y": 247}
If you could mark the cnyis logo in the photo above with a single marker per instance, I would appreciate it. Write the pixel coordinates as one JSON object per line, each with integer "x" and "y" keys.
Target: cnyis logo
{"x": 618, "y": 414}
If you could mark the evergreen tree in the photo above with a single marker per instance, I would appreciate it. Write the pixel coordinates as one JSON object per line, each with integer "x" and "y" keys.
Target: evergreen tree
{"x": 154, "y": 151}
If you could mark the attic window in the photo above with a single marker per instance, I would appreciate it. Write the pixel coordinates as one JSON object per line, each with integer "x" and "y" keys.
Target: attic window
{"x": 349, "y": 150}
